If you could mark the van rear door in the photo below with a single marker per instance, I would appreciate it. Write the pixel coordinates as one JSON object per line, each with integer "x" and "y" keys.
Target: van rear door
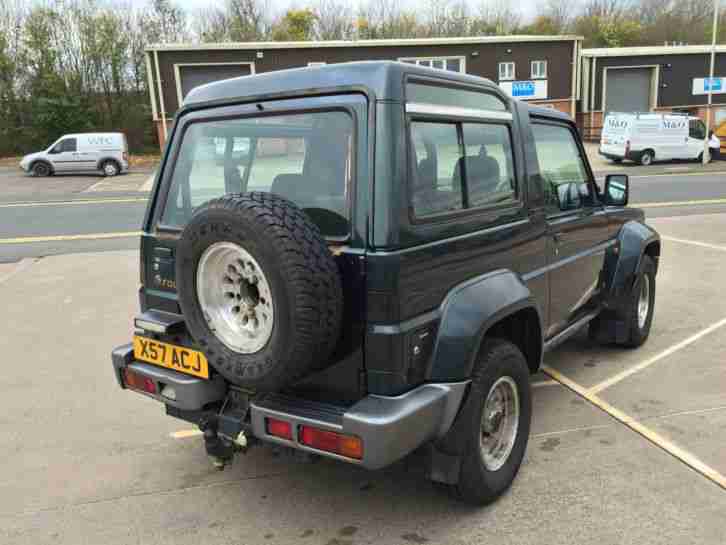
{"x": 614, "y": 134}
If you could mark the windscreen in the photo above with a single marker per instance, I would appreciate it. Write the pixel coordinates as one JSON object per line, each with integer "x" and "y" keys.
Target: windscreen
{"x": 305, "y": 157}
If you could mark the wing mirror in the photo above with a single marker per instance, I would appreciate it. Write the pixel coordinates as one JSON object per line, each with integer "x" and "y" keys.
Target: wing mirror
{"x": 616, "y": 190}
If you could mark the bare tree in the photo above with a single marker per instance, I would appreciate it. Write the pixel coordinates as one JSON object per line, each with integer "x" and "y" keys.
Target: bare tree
{"x": 211, "y": 24}
{"x": 247, "y": 20}
{"x": 447, "y": 18}
{"x": 495, "y": 17}
{"x": 559, "y": 13}
{"x": 334, "y": 20}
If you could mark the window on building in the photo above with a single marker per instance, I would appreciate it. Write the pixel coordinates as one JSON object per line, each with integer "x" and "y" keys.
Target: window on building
{"x": 443, "y": 155}
{"x": 453, "y": 64}
{"x": 539, "y": 69}
{"x": 506, "y": 71}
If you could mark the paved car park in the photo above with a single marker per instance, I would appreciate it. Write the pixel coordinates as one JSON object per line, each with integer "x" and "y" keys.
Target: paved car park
{"x": 87, "y": 463}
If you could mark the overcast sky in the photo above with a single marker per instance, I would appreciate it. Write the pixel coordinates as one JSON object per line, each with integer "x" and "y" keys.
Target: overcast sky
{"x": 527, "y": 9}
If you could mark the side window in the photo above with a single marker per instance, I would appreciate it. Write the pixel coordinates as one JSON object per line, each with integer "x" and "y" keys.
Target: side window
{"x": 566, "y": 183}
{"x": 444, "y": 155}
{"x": 69, "y": 144}
{"x": 436, "y": 174}
{"x": 489, "y": 164}
{"x": 696, "y": 129}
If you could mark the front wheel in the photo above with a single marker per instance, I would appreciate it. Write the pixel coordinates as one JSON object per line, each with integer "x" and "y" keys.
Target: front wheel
{"x": 646, "y": 158}
{"x": 497, "y": 436}
{"x": 41, "y": 169}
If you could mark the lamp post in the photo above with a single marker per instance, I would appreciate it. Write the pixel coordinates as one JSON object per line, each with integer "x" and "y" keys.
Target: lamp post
{"x": 714, "y": 32}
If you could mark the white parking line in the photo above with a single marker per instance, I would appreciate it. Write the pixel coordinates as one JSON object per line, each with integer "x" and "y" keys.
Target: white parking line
{"x": 695, "y": 243}
{"x": 661, "y": 442}
{"x": 650, "y": 361}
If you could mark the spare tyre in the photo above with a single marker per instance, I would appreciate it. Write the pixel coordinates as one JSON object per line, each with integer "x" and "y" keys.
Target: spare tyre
{"x": 260, "y": 290}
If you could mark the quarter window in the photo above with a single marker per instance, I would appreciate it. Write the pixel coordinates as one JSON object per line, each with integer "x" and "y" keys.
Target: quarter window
{"x": 566, "y": 181}
{"x": 456, "y": 166}
{"x": 539, "y": 69}
{"x": 506, "y": 71}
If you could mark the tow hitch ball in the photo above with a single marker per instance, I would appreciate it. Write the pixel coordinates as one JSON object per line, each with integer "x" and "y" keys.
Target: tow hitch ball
{"x": 220, "y": 448}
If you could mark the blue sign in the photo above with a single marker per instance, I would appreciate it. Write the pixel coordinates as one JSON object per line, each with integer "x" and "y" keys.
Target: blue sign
{"x": 523, "y": 89}
{"x": 713, "y": 84}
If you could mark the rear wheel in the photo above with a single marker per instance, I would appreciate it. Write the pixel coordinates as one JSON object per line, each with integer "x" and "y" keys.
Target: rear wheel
{"x": 41, "y": 169}
{"x": 646, "y": 157}
{"x": 639, "y": 314}
{"x": 110, "y": 168}
{"x": 498, "y": 434}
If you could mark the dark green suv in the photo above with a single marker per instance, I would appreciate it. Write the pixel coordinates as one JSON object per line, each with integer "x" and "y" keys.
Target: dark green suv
{"x": 369, "y": 259}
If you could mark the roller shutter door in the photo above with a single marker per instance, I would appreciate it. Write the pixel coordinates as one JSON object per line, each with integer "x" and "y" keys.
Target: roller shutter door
{"x": 628, "y": 90}
{"x": 194, "y": 76}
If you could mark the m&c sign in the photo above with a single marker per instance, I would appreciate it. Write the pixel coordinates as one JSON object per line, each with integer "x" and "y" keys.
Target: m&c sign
{"x": 525, "y": 90}
{"x": 702, "y": 86}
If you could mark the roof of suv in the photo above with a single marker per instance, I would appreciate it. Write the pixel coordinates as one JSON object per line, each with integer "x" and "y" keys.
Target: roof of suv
{"x": 382, "y": 78}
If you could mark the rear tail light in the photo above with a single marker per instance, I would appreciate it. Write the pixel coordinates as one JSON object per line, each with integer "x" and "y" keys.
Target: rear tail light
{"x": 279, "y": 428}
{"x": 136, "y": 381}
{"x": 330, "y": 441}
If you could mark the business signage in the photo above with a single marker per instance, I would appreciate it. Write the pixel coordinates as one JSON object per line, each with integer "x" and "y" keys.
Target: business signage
{"x": 525, "y": 90}
{"x": 702, "y": 86}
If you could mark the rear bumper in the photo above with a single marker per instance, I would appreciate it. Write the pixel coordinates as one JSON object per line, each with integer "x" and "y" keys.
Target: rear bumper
{"x": 390, "y": 427}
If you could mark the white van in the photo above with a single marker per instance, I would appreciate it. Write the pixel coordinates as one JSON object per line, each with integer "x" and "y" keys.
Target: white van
{"x": 107, "y": 152}
{"x": 648, "y": 137}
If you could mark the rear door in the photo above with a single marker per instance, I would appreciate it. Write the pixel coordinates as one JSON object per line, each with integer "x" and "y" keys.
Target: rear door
{"x": 64, "y": 155}
{"x": 577, "y": 225}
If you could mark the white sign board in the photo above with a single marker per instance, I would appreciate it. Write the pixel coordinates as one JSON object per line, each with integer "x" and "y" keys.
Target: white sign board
{"x": 701, "y": 86}
{"x": 525, "y": 90}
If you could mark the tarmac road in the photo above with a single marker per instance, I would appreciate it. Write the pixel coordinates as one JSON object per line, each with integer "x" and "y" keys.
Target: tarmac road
{"x": 81, "y": 218}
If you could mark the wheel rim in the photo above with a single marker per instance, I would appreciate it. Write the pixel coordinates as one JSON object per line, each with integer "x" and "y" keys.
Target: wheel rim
{"x": 41, "y": 170}
{"x": 646, "y": 159}
{"x": 235, "y": 297}
{"x": 499, "y": 423}
{"x": 643, "y": 301}
{"x": 109, "y": 169}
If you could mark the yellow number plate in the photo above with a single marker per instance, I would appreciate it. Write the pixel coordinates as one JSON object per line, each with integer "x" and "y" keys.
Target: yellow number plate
{"x": 170, "y": 356}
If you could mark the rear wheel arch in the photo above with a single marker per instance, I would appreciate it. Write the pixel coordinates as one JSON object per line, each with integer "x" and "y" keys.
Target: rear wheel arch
{"x": 523, "y": 329}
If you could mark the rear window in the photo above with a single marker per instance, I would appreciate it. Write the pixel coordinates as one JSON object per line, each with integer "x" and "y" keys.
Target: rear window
{"x": 304, "y": 157}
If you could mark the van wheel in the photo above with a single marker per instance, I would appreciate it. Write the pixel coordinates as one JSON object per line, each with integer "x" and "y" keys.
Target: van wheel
{"x": 41, "y": 169}
{"x": 700, "y": 157}
{"x": 110, "y": 168}
{"x": 499, "y": 430}
{"x": 646, "y": 158}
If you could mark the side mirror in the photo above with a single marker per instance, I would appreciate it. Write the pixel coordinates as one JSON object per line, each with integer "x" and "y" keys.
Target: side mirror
{"x": 616, "y": 190}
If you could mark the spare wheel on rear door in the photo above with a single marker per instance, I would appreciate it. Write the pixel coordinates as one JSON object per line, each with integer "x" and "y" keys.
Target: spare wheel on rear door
{"x": 260, "y": 291}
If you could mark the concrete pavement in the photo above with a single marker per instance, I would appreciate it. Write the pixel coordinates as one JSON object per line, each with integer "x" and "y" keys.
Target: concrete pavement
{"x": 85, "y": 462}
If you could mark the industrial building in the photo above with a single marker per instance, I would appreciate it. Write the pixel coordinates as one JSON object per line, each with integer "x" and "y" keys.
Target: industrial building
{"x": 540, "y": 69}
{"x": 642, "y": 79}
